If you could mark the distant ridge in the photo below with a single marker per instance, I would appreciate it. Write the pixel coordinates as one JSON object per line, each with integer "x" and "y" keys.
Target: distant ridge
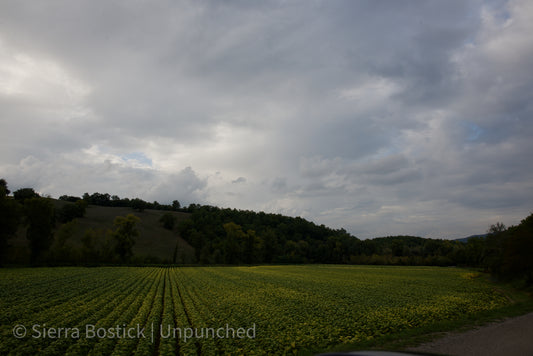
{"x": 465, "y": 239}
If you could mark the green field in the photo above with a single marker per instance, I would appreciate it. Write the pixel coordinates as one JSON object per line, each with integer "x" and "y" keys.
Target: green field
{"x": 232, "y": 310}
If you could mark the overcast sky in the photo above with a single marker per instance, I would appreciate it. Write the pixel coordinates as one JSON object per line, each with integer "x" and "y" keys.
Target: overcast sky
{"x": 381, "y": 117}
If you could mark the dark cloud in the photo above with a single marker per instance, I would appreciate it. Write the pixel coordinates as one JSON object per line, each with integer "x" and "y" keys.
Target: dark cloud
{"x": 239, "y": 180}
{"x": 381, "y": 117}
{"x": 279, "y": 185}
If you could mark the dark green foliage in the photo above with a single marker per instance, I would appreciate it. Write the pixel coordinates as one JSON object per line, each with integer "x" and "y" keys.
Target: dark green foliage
{"x": 10, "y": 213}
{"x": 3, "y": 188}
{"x": 168, "y": 220}
{"x": 139, "y": 204}
{"x": 97, "y": 247}
{"x": 225, "y": 236}
{"x": 98, "y": 199}
{"x": 233, "y": 244}
{"x": 505, "y": 253}
{"x": 24, "y": 194}
{"x": 125, "y": 234}
{"x": 40, "y": 219}
{"x": 105, "y": 199}
{"x": 235, "y": 236}
{"x": 69, "y": 198}
{"x": 408, "y": 250}
{"x": 193, "y": 207}
{"x": 176, "y": 205}
{"x": 70, "y": 212}
{"x": 61, "y": 252}
{"x": 509, "y": 252}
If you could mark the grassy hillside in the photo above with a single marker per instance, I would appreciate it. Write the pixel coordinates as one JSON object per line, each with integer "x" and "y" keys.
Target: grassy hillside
{"x": 153, "y": 240}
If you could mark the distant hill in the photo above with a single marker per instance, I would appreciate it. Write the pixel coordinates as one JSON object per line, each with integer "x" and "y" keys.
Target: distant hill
{"x": 83, "y": 232}
{"x": 212, "y": 235}
{"x": 465, "y": 239}
{"x": 154, "y": 240}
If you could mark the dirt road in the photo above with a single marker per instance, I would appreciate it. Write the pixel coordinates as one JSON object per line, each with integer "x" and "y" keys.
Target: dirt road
{"x": 513, "y": 336}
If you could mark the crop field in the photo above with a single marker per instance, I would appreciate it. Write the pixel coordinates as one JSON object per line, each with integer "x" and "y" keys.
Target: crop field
{"x": 225, "y": 310}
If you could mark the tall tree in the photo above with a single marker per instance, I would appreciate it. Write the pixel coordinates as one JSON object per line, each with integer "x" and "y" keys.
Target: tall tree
{"x": 9, "y": 218}
{"x": 24, "y": 194}
{"x": 517, "y": 261}
{"x": 3, "y": 188}
{"x": 61, "y": 251}
{"x": 40, "y": 219}
{"x": 233, "y": 243}
{"x": 125, "y": 234}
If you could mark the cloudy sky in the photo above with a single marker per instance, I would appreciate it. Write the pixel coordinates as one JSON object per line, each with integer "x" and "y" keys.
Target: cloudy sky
{"x": 382, "y": 117}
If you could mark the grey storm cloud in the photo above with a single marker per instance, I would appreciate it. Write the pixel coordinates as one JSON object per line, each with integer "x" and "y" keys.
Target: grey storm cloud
{"x": 382, "y": 117}
{"x": 239, "y": 180}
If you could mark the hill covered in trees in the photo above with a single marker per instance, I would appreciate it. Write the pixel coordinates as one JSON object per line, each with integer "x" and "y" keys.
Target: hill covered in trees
{"x": 87, "y": 231}
{"x": 102, "y": 228}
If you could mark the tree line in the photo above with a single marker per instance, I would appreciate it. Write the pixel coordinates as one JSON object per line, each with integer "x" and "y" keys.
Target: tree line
{"x": 106, "y": 199}
{"x": 232, "y": 237}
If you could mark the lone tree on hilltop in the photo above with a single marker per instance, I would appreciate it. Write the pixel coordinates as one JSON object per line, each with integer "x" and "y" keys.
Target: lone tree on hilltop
{"x": 24, "y": 194}
{"x": 176, "y": 205}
